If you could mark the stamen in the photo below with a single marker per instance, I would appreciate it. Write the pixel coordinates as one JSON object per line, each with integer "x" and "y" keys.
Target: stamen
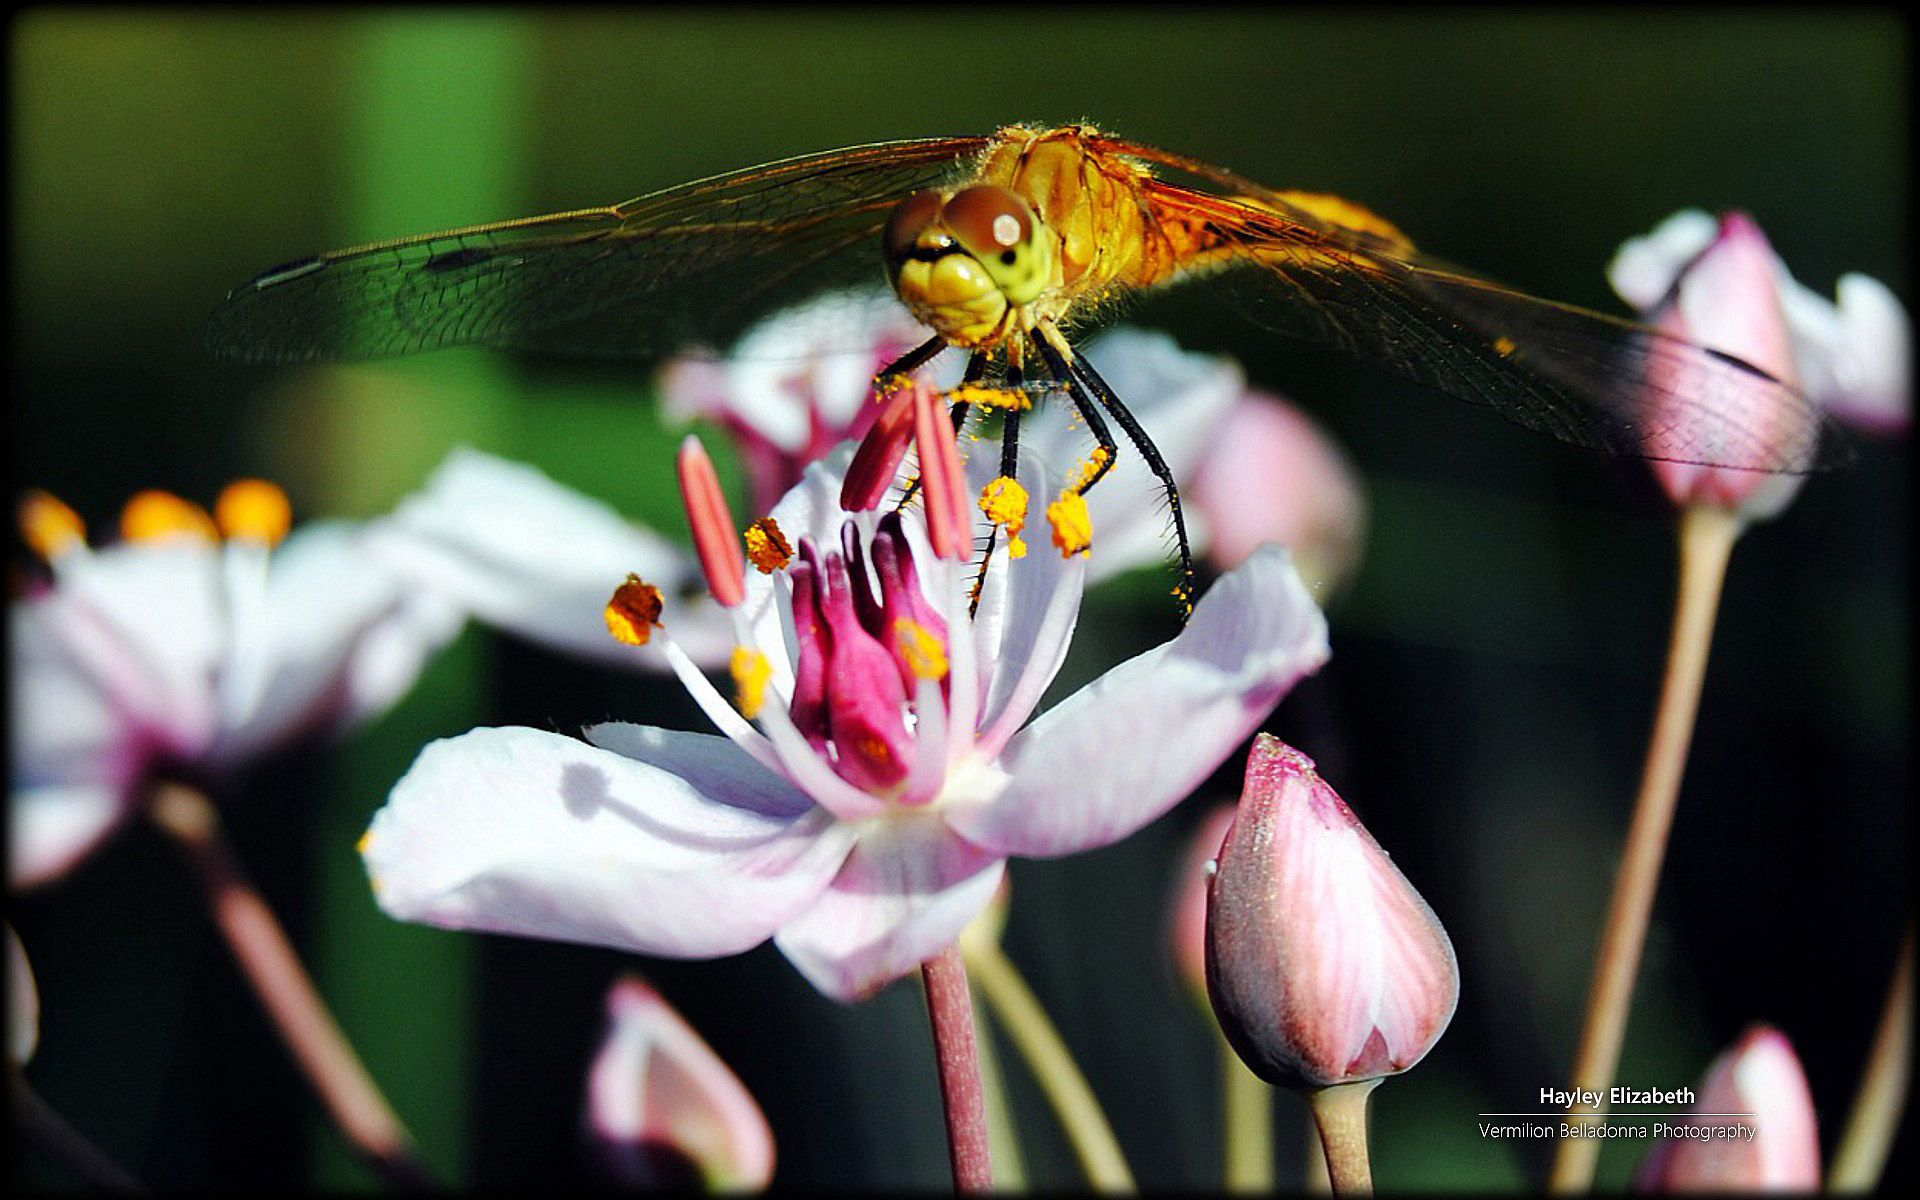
{"x": 767, "y": 548}
{"x": 50, "y": 527}
{"x": 253, "y": 509}
{"x": 1072, "y": 525}
{"x": 878, "y": 458}
{"x": 750, "y": 671}
{"x": 1004, "y": 502}
{"x": 942, "y": 477}
{"x": 712, "y": 524}
{"x": 154, "y": 514}
{"x": 634, "y": 612}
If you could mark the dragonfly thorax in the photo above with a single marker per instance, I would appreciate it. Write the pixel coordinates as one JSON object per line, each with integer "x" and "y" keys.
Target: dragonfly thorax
{"x": 976, "y": 264}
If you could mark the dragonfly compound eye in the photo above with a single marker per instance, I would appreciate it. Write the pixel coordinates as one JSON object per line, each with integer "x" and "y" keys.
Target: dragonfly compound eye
{"x": 996, "y": 227}
{"x": 909, "y": 219}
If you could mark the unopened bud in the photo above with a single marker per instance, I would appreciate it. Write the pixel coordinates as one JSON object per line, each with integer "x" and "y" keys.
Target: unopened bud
{"x": 1323, "y": 964}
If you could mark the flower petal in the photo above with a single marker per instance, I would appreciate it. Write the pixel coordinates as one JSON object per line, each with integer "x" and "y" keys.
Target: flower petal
{"x": 528, "y": 832}
{"x": 1645, "y": 268}
{"x": 539, "y": 560}
{"x": 1128, "y": 746}
{"x": 1025, "y": 619}
{"x": 145, "y": 620}
{"x": 901, "y": 897}
{"x": 51, "y": 827}
{"x": 339, "y": 640}
{"x": 1273, "y": 475}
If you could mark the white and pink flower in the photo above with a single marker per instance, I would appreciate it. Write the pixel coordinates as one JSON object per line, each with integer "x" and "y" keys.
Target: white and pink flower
{"x": 877, "y": 767}
{"x": 193, "y": 645}
{"x": 1717, "y": 282}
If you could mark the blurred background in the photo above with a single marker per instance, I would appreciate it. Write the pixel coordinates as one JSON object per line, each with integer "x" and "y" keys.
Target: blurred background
{"x": 1495, "y": 660}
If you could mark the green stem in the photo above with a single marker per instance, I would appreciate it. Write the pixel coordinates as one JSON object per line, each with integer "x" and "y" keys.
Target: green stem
{"x": 1003, "y": 1135}
{"x": 1862, "y": 1153}
{"x": 1706, "y": 540}
{"x": 1246, "y": 1105}
{"x": 950, "y": 1008}
{"x": 1066, "y": 1089}
{"x": 1340, "y": 1112}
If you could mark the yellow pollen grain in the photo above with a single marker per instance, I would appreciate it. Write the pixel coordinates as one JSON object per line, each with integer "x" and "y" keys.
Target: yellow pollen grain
{"x": 1504, "y": 347}
{"x": 253, "y": 509}
{"x": 767, "y": 547}
{"x": 1072, "y": 525}
{"x": 989, "y": 397}
{"x": 50, "y": 527}
{"x": 1096, "y": 462}
{"x": 924, "y": 654}
{"x": 1004, "y": 502}
{"x": 750, "y": 672}
{"x": 633, "y": 612}
{"x": 155, "y": 514}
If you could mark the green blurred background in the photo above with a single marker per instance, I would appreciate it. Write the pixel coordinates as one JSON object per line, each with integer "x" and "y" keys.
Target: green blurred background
{"x": 1495, "y": 662}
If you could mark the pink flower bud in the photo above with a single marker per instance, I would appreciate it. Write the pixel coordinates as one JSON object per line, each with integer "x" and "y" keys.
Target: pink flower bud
{"x": 1751, "y": 1127}
{"x": 23, "y": 1004}
{"x": 1726, "y": 299}
{"x": 1324, "y": 965}
{"x": 1273, "y": 475}
{"x": 663, "y": 1107}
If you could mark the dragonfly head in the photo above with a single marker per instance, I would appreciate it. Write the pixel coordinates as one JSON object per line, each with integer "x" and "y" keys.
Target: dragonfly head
{"x": 965, "y": 261}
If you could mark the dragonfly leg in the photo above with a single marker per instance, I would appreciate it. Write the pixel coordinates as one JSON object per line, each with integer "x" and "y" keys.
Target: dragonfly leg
{"x": 906, "y": 364}
{"x": 1080, "y": 378}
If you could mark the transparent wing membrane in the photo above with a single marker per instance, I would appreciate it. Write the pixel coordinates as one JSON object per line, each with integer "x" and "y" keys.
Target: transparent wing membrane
{"x": 696, "y": 265}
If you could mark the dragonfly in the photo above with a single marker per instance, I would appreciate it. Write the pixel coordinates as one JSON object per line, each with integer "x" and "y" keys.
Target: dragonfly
{"x": 1005, "y": 246}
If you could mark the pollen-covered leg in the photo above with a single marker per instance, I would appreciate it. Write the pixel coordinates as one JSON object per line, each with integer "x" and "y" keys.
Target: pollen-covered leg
{"x": 1081, "y": 379}
{"x": 1072, "y": 524}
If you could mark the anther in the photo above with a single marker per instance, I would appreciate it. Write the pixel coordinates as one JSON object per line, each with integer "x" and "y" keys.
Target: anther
{"x": 154, "y": 514}
{"x": 877, "y": 459}
{"x": 713, "y": 538}
{"x": 767, "y": 548}
{"x": 633, "y": 612}
{"x": 942, "y": 477}
{"x": 253, "y": 509}
{"x": 50, "y": 527}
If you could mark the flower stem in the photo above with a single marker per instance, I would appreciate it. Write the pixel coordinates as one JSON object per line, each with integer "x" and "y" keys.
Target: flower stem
{"x": 264, "y": 955}
{"x": 1340, "y": 1111}
{"x": 1039, "y": 1042}
{"x": 1706, "y": 540}
{"x": 1246, "y": 1105}
{"x": 950, "y": 1007}
{"x": 1862, "y": 1152}
{"x": 40, "y": 1126}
